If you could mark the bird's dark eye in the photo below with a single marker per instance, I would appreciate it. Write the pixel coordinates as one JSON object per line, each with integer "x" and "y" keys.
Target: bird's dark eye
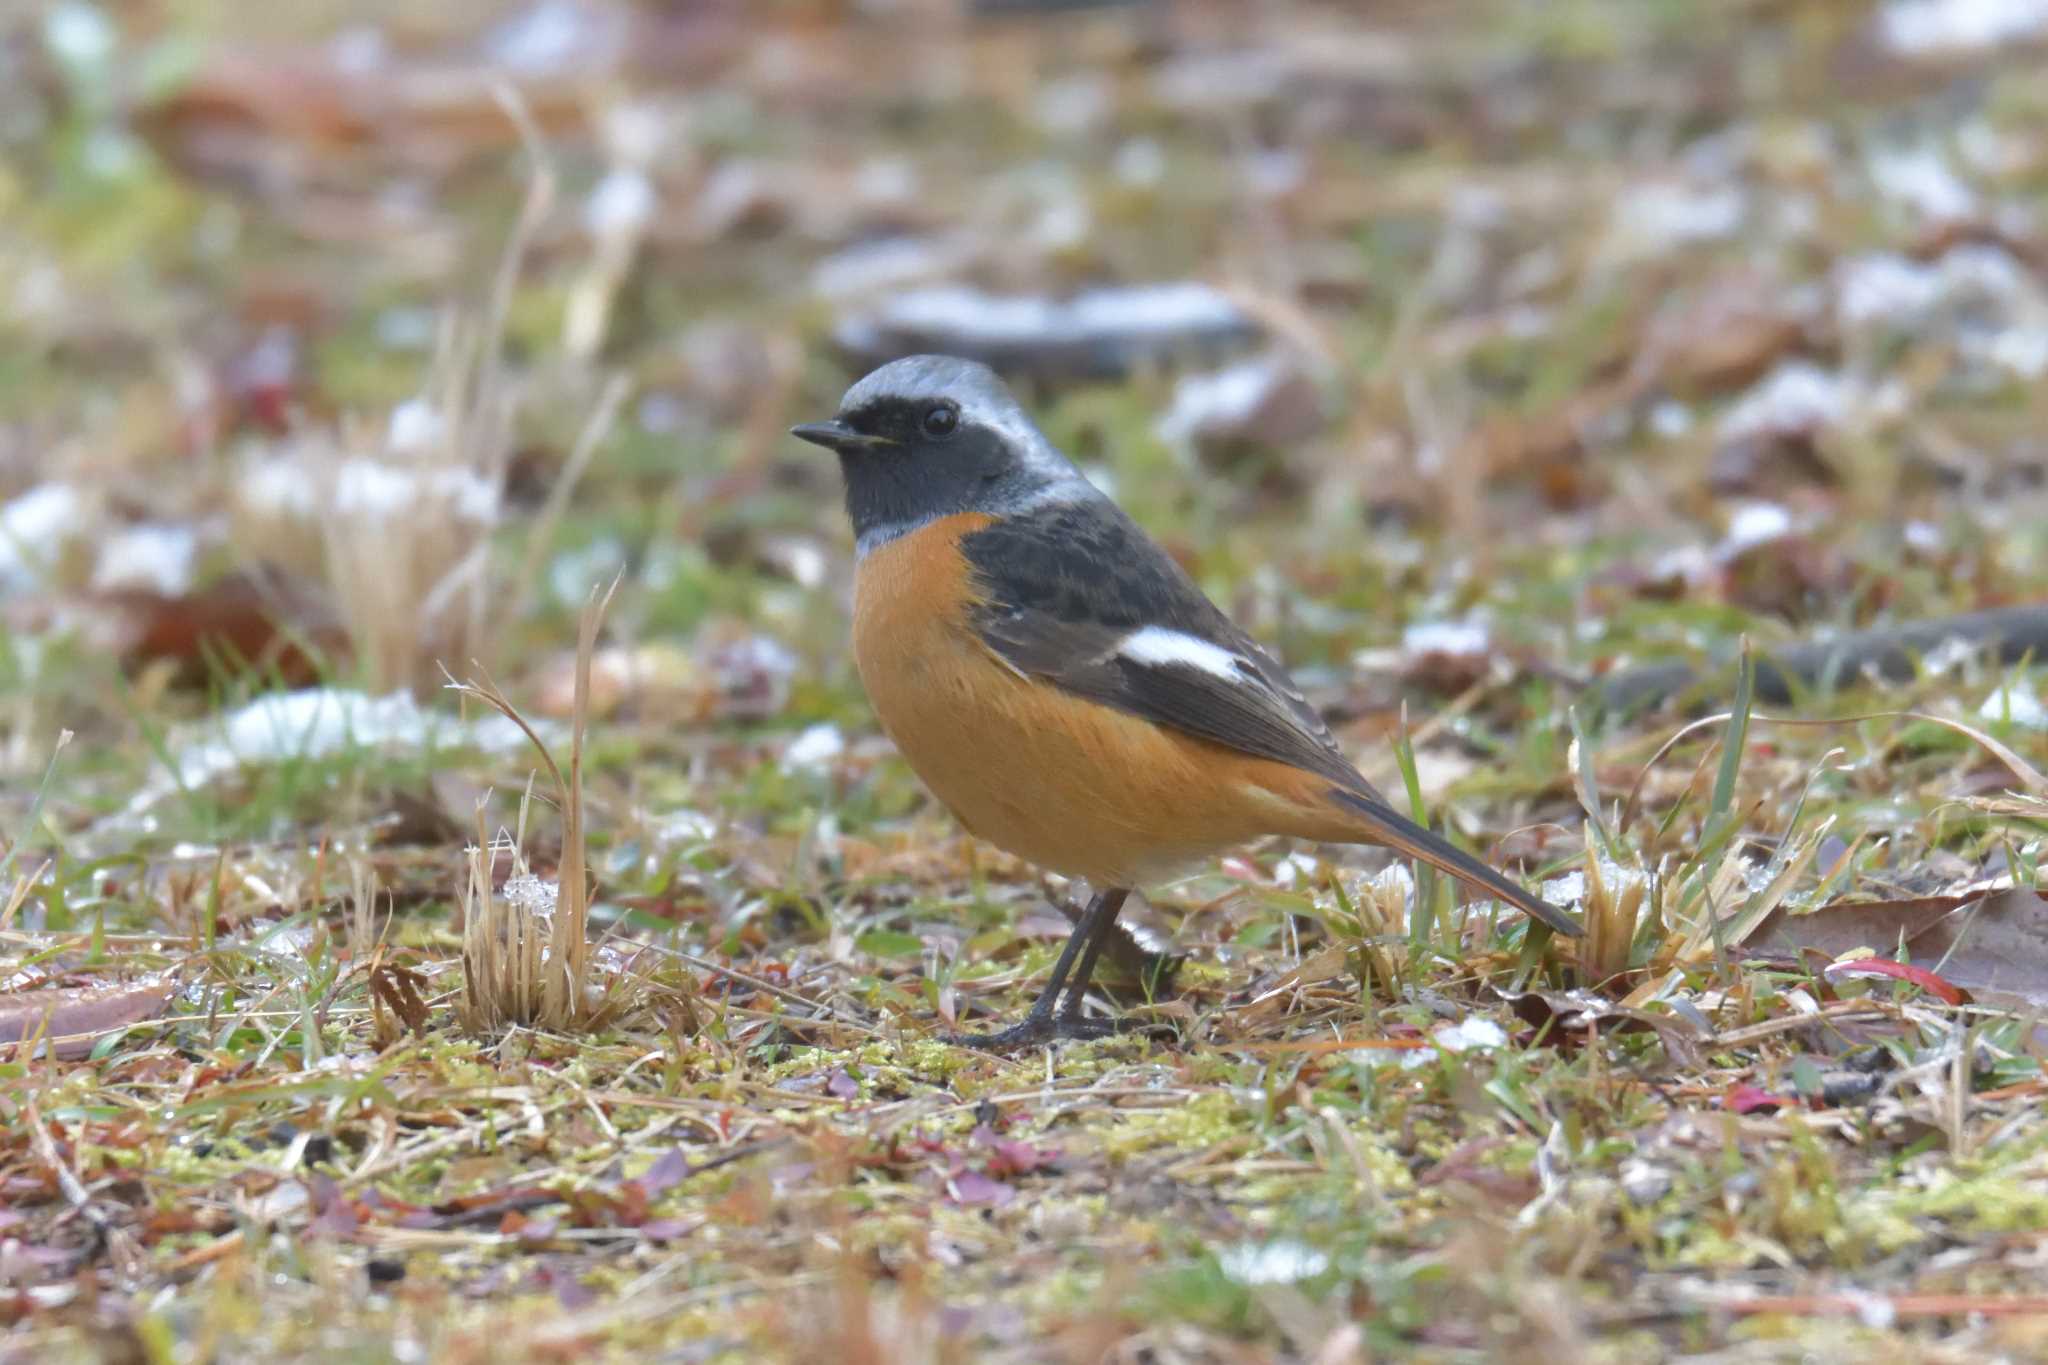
{"x": 941, "y": 420}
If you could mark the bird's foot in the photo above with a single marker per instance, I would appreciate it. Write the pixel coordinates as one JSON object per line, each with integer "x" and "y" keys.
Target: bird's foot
{"x": 1037, "y": 1030}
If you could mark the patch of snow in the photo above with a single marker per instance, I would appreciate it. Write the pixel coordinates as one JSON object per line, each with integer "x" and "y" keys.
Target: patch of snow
{"x": 684, "y": 827}
{"x": 1643, "y": 1182}
{"x": 1274, "y": 171}
{"x": 814, "y": 749}
{"x": 1227, "y": 398}
{"x": 993, "y": 322}
{"x": 1682, "y": 564}
{"x": 360, "y": 51}
{"x": 1297, "y": 869}
{"x": 1754, "y": 524}
{"x": 1797, "y": 397}
{"x": 531, "y": 894}
{"x": 1073, "y": 105}
{"x": 35, "y": 530}
{"x": 1670, "y": 419}
{"x": 622, "y": 204}
{"x": 1271, "y": 1263}
{"x": 1140, "y": 163}
{"x": 1923, "y": 537}
{"x": 1923, "y": 28}
{"x": 414, "y": 428}
{"x": 1670, "y": 213}
{"x": 573, "y": 573}
{"x": 876, "y": 267}
{"x": 80, "y": 36}
{"x": 157, "y": 557}
{"x": 406, "y": 329}
{"x": 1884, "y": 287}
{"x": 1977, "y": 291}
{"x": 319, "y": 485}
{"x": 1470, "y": 1034}
{"x": 1454, "y": 639}
{"x": 2022, "y": 705}
{"x": 1920, "y": 178}
{"x": 319, "y": 722}
{"x": 552, "y": 36}
{"x": 882, "y": 181}
{"x": 1566, "y": 891}
{"x": 372, "y": 488}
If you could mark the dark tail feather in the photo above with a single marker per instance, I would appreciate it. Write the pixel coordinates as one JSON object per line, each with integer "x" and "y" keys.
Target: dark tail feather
{"x": 1405, "y": 836}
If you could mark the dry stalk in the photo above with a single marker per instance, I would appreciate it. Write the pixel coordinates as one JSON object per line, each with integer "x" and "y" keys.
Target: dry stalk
{"x": 14, "y": 899}
{"x": 525, "y": 950}
{"x": 1619, "y": 902}
{"x": 363, "y": 938}
{"x": 1382, "y": 908}
{"x": 400, "y": 520}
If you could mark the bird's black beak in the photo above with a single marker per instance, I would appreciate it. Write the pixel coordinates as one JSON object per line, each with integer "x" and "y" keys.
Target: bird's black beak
{"x": 836, "y": 435}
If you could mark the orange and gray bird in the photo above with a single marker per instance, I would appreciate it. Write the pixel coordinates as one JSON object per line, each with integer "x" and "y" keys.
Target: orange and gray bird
{"x": 1060, "y": 683}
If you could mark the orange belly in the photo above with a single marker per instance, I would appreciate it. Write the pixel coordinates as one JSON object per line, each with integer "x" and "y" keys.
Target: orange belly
{"x": 1074, "y": 786}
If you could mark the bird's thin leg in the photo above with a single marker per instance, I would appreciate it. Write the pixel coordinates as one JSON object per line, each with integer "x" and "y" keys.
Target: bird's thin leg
{"x": 1046, "y": 1021}
{"x": 1077, "y": 991}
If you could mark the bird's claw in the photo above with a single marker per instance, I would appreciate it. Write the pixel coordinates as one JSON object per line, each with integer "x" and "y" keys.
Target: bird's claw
{"x": 1037, "y": 1030}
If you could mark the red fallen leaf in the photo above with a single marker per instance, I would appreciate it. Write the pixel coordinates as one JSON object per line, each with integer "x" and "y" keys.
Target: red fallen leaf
{"x": 263, "y": 380}
{"x": 667, "y": 1229}
{"x": 1467, "y": 1165}
{"x": 1010, "y": 1157}
{"x": 474, "y": 1209}
{"x": 570, "y": 1291}
{"x": 1990, "y": 937}
{"x": 669, "y": 1170}
{"x": 76, "y": 1019}
{"x": 266, "y": 623}
{"x": 173, "y": 1221}
{"x": 1750, "y": 1099}
{"x": 1899, "y": 971}
{"x": 335, "y": 1215}
{"x": 530, "y": 1231}
{"x": 972, "y": 1187}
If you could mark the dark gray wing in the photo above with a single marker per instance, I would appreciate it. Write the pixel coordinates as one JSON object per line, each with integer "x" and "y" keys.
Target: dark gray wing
{"x": 1066, "y": 588}
{"x": 1067, "y": 592}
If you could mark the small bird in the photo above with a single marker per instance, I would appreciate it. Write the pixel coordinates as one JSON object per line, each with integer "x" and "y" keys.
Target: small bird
{"x": 1060, "y": 683}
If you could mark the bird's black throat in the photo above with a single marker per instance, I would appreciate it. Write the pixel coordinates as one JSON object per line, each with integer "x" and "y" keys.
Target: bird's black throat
{"x": 922, "y": 479}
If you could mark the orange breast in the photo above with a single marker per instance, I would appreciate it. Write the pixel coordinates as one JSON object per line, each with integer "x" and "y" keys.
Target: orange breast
{"x": 1074, "y": 786}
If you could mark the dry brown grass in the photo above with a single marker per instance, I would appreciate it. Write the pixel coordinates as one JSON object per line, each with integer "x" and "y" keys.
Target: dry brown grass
{"x": 400, "y": 520}
{"x": 525, "y": 947}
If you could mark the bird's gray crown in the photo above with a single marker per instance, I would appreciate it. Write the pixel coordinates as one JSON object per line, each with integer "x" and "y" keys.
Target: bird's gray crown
{"x": 983, "y": 399}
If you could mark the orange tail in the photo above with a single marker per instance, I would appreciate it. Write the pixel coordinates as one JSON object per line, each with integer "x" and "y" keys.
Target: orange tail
{"x": 1383, "y": 826}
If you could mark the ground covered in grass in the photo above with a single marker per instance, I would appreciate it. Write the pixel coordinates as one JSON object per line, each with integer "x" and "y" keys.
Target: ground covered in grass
{"x": 1557, "y": 387}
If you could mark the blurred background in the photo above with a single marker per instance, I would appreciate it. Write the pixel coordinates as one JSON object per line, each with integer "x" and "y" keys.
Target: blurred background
{"x": 345, "y": 340}
{"x": 1503, "y": 363}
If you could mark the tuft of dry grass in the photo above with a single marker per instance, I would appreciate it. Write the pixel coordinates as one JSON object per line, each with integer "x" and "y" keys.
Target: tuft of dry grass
{"x": 400, "y": 520}
{"x": 525, "y": 949}
{"x": 1621, "y": 902}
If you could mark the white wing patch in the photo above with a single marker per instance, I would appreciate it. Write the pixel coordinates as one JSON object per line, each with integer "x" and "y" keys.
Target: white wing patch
{"x": 1161, "y": 647}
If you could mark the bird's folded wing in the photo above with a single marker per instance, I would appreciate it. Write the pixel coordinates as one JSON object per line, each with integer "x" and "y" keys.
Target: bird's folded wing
{"x": 1079, "y": 596}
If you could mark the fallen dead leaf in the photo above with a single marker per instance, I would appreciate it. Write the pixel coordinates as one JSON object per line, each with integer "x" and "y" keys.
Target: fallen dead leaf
{"x": 1989, "y": 941}
{"x": 1899, "y": 971}
{"x": 70, "y": 1022}
{"x": 1578, "y": 1015}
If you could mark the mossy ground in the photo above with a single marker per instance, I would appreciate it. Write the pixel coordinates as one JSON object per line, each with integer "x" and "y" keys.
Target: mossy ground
{"x": 1538, "y": 258}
